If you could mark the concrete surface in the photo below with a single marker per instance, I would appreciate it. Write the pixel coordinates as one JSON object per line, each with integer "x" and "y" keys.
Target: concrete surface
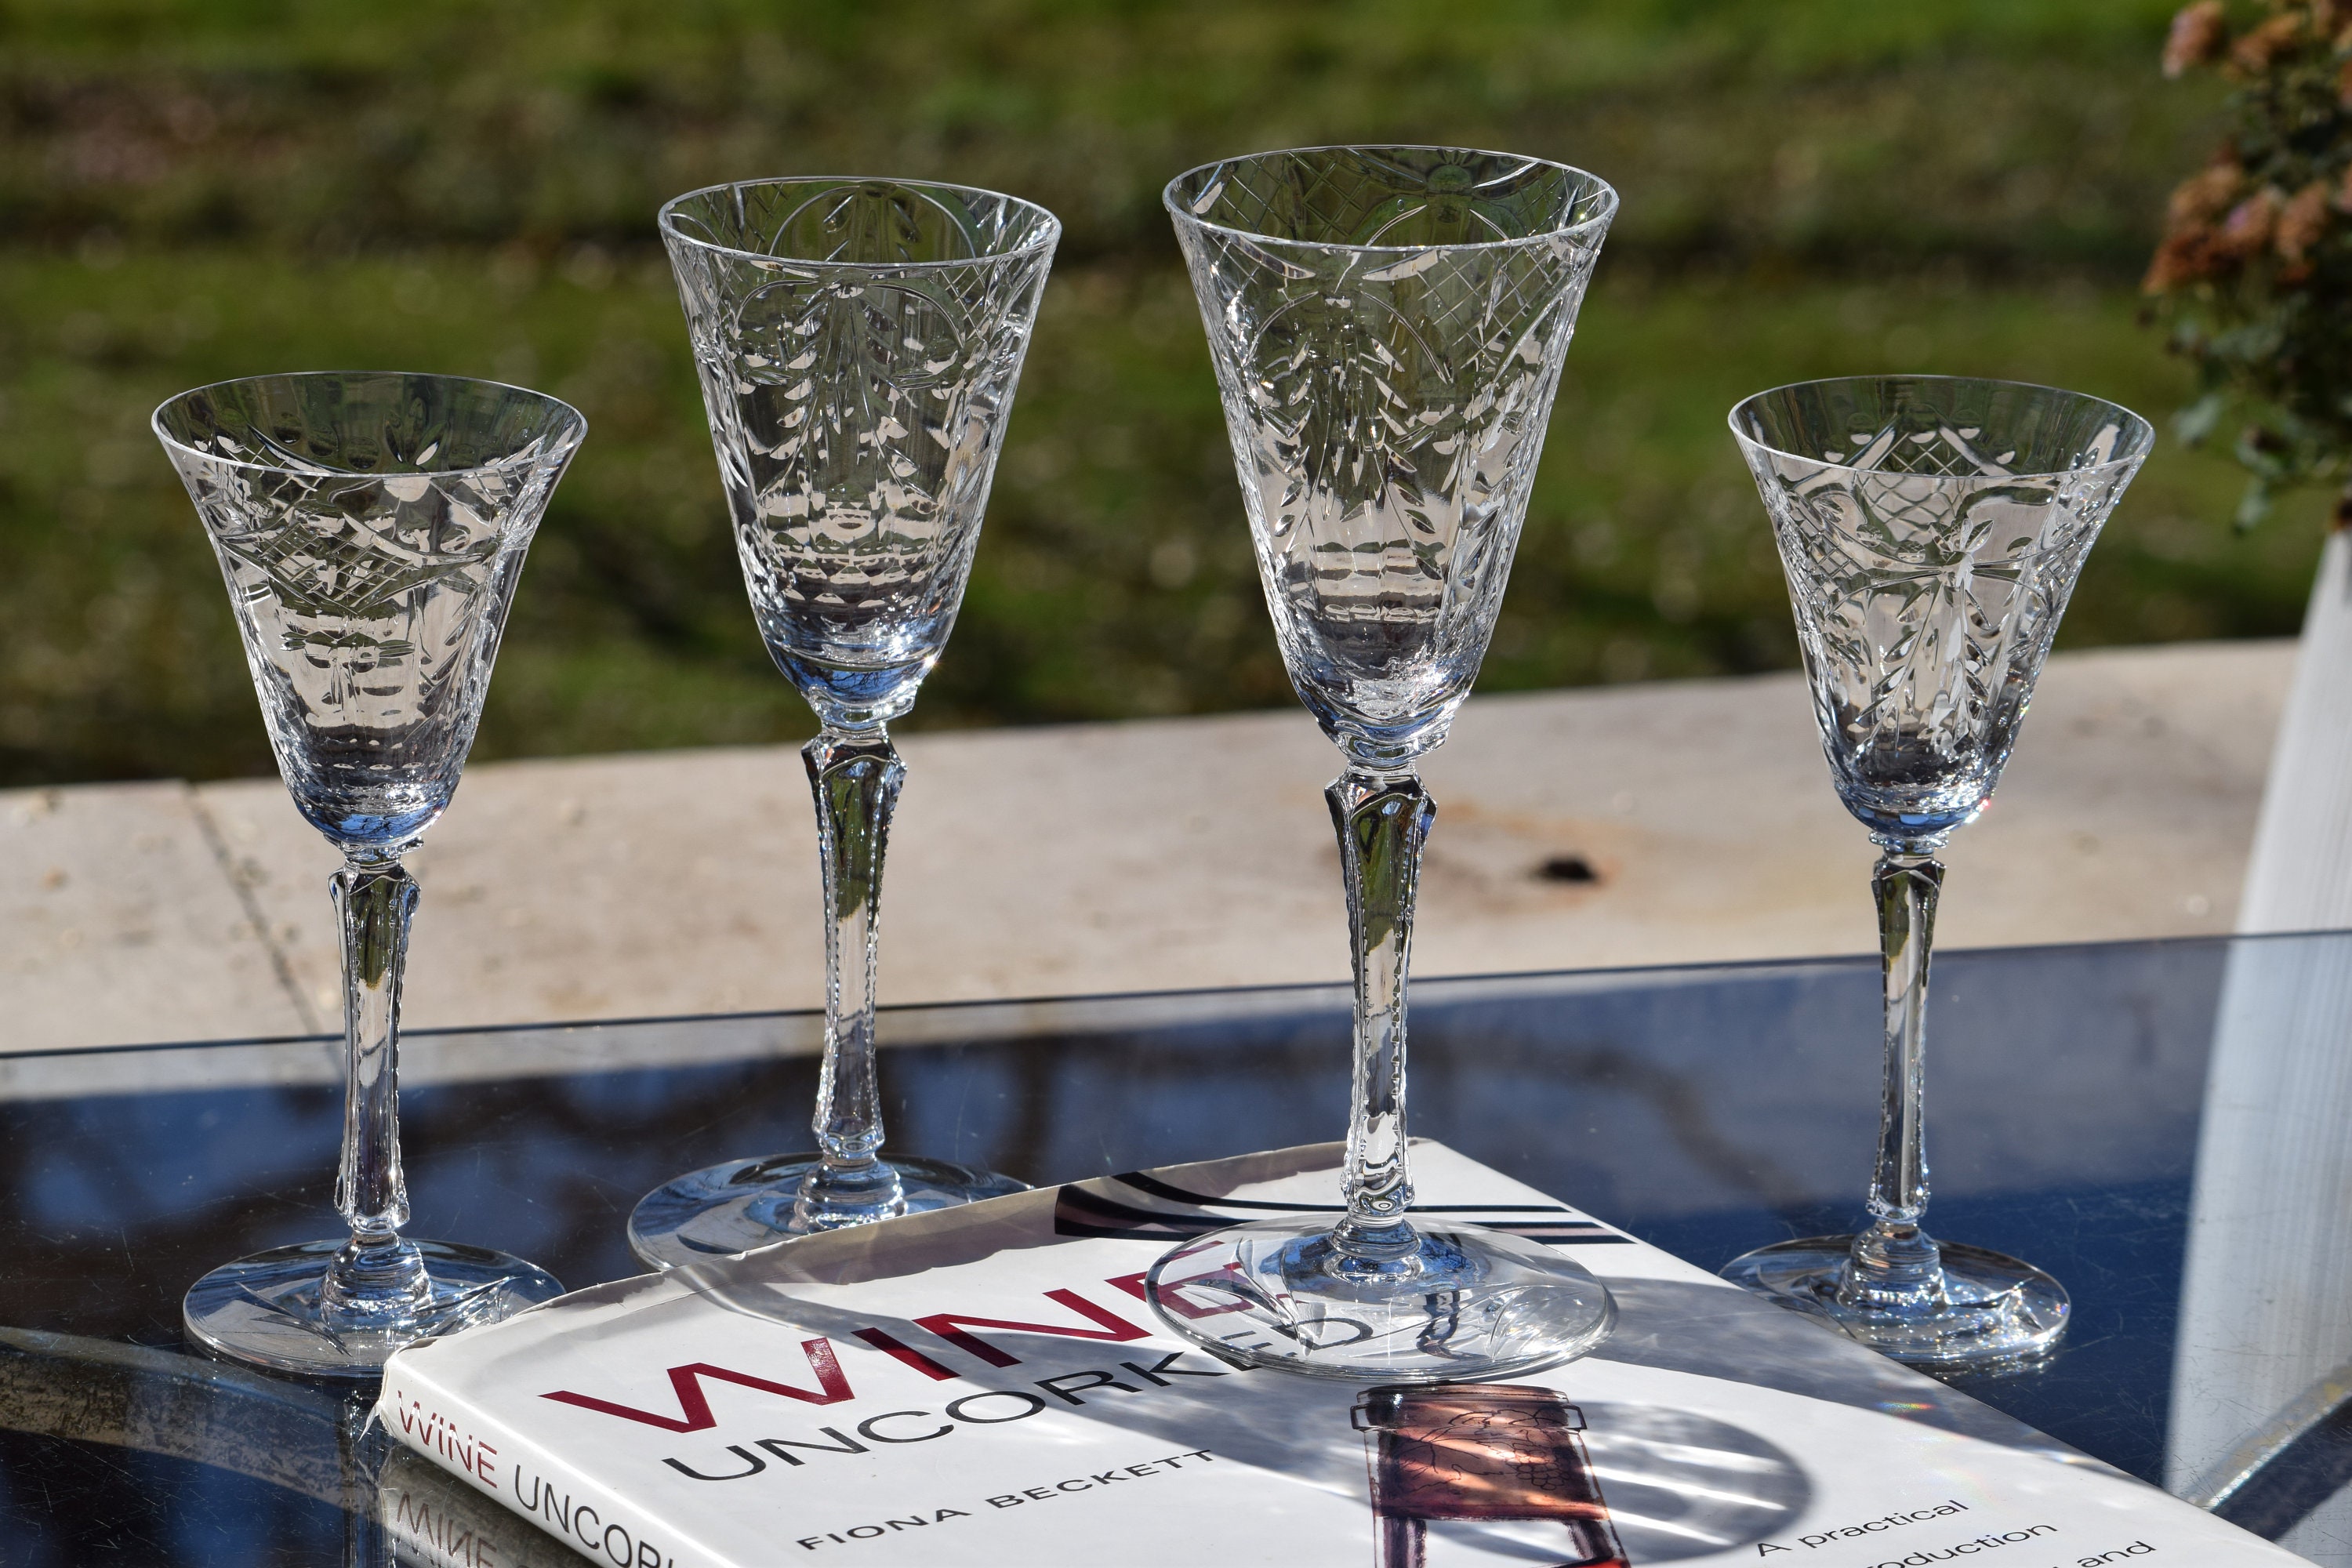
{"x": 1166, "y": 854}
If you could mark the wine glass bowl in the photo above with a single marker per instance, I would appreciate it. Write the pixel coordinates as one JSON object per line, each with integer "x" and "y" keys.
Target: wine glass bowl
{"x": 1932, "y": 530}
{"x": 367, "y": 528}
{"x": 1388, "y": 326}
{"x": 370, "y": 528}
{"x": 858, "y": 344}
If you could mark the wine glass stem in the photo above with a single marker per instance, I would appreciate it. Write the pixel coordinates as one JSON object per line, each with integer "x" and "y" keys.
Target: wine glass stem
{"x": 1894, "y": 1259}
{"x": 375, "y": 902}
{"x": 855, "y": 776}
{"x": 1383, "y": 818}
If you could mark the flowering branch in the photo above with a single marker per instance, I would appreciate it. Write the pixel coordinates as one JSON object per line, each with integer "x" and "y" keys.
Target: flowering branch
{"x": 2254, "y": 271}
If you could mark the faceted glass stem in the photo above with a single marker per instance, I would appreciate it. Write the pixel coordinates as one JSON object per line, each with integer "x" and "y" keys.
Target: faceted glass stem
{"x": 855, "y": 776}
{"x": 1376, "y": 1298}
{"x": 1895, "y": 1266}
{"x": 1383, "y": 819}
{"x": 374, "y": 1273}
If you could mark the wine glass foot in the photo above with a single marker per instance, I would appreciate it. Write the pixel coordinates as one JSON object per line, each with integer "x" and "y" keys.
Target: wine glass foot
{"x": 1993, "y": 1309}
{"x": 1466, "y": 1304}
{"x": 266, "y": 1309}
{"x": 722, "y": 1210}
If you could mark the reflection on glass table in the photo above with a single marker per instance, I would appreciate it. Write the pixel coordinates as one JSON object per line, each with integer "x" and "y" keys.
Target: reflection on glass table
{"x": 1708, "y": 1110}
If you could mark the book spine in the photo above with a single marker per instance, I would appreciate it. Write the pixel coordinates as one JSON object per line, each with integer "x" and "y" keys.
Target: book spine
{"x": 486, "y": 1455}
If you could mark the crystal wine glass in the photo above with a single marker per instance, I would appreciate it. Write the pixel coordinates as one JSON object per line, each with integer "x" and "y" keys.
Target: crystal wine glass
{"x": 1931, "y": 529}
{"x": 858, "y": 343}
{"x": 1388, "y": 325}
{"x": 371, "y": 528}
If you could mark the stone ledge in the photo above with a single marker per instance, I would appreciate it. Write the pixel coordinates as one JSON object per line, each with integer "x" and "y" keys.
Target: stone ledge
{"x": 1154, "y": 855}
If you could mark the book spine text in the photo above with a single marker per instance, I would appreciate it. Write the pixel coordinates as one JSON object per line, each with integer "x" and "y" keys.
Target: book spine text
{"x": 555, "y": 1497}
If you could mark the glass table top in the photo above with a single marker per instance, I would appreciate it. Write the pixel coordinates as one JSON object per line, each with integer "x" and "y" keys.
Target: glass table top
{"x": 1707, "y": 1110}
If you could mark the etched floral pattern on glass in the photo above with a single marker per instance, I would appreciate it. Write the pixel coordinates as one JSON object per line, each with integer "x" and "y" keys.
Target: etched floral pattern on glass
{"x": 369, "y": 577}
{"x": 857, "y": 382}
{"x": 1386, "y": 394}
{"x": 1931, "y": 547}
{"x": 858, "y": 343}
{"x": 1388, "y": 326}
{"x": 370, "y": 528}
{"x": 1932, "y": 529}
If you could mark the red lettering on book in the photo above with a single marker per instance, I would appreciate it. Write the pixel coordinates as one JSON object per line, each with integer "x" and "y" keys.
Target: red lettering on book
{"x": 951, "y": 1326}
{"x": 694, "y": 1405}
{"x": 891, "y": 1345}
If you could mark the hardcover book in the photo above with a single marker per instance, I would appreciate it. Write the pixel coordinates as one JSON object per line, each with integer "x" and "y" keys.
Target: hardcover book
{"x": 987, "y": 1385}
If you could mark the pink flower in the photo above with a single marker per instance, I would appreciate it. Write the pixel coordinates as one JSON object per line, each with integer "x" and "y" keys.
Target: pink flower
{"x": 2255, "y": 52}
{"x": 2247, "y": 230}
{"x": 2198, "y": 34}
{"x": 2302, "y": 222}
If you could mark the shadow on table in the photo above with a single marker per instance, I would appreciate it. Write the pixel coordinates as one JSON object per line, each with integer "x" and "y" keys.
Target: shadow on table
{"x": 1705, "y": 1109}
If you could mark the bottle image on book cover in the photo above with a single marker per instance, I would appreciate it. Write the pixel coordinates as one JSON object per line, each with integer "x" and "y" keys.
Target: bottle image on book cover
{"x": 1484, "y": 1452}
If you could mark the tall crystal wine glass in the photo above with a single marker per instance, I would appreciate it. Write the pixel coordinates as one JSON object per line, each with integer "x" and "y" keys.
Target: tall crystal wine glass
{"x": 371, "y": 528}
{"x": 1388, "y": 325}
{"x": 858, "y": 343}
{"x": 1931, "y": 529}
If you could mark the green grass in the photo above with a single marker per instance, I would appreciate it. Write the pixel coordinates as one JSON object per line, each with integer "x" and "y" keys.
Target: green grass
{"x": 1811, "y": 186}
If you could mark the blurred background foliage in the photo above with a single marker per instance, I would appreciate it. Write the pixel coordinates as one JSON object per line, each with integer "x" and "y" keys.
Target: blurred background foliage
{"x": 189, "y": 191}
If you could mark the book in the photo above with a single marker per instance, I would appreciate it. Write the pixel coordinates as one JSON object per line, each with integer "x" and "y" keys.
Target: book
{"x": 988, "y": 1386}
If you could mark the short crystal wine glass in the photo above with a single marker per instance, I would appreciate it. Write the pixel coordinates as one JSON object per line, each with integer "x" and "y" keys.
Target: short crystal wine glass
{"x": 1931, "y": 529}
{"x": 858, "y": 343}
{"x": 371, "y": 528}
{"x": 1388, "y": 326}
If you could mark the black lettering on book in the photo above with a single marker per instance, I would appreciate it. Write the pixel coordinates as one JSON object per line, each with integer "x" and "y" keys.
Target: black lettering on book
{"x": 582, "y": 1523}
{"x": 1167, "y": 1368}
{"x": 961, "y": 1410}
{"x": 952, "y": 1326}
{"x": 1895, "y": 1521}
{"x": 694, "y": 1403}
{"x": 540, "y": 1501}
{"x": 865, "y": 1427}
{"x": 757, "y": 1463}
{"x": 868, "y": 1532}
{"x": 1054, "y": 1386}
{"x": 1090, "y": 1483}
{"x": 973, "y": 1409}
{"x": 1985, "y": 1542}
{"x": 841, "y": 1443}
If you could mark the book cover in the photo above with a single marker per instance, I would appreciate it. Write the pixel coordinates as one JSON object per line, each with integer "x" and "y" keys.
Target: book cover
{"x": 987, "y": 1385}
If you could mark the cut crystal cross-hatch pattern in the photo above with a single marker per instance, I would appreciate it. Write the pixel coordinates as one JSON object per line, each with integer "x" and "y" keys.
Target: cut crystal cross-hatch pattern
{"x": 371, "y": 528}
{"x": 1932, "y": 529}
{"x": 1387, "y": 405}
{"x": 1928, "y": 578}
{"x": 370, "y": 604}
{"x": 858, "y": 343}
{"x": 856, "y": 406}
{"x": 1388, "y": 325}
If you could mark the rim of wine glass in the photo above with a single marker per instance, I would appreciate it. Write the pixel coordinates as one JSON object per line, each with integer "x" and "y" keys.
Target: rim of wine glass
{"x": 2147, "y": 431}
{"x": 1183, "y": 213}
{"x": 573, "y": 436}
{"x": 1045, "y": 236}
